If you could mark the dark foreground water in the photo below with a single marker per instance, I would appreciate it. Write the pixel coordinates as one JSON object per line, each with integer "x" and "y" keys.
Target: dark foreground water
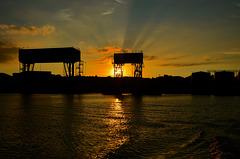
{"x": 98, "y": 126}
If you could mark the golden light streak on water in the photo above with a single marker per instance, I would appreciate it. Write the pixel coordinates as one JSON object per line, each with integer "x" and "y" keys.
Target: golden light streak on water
{"x": 117, "y": 125}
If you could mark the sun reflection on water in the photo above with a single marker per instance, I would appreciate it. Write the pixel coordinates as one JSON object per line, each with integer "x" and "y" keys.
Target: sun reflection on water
{"x": 117, "y": 125}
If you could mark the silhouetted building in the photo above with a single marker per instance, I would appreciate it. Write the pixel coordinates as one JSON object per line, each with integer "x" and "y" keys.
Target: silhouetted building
{"x": 33, "y": 75}
{"x": 201, "y": 83}
{"x": 4, "y": 76}
{"x": 224, "y": 83}
{"x": 224, "y": 77}
{"x": 173, "y": 84}
{"x": 238, "y": 83}
{"x": 6, "y": 83}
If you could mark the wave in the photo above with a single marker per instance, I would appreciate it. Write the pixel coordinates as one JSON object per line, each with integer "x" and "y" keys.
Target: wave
{"x": 193, "y": 139}
{"x": 190, "y": 148}
{"x": 224, "y": 148}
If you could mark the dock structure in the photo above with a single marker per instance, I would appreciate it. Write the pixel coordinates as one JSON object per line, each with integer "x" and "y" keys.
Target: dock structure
{"x": 136, "y": 59}
{"x": 68, "y": 56}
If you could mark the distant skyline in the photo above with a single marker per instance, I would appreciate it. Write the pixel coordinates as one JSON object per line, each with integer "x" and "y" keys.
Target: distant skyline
{"x": 176, "y": 37}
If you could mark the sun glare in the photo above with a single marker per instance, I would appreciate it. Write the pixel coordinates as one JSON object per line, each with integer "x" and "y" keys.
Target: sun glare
{"x": 119, "y": 71}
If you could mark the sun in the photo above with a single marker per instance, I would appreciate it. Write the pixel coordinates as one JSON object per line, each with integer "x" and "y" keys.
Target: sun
{"x": 125, "y": 70}
{"x": 118, "y": 71}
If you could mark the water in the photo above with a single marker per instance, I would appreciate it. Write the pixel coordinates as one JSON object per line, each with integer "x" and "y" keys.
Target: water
{"x": 98, "y": 126}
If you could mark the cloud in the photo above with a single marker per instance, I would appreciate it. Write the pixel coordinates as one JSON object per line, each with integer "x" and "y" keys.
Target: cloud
{"x": 31, "y": 30}
{"x": 235, "y": 51}
{"x": 114, "y": 49}
{"x": 127, "y": 51}
{"x": 90, "y": 51}
{"x": 162, "y": 57}
{"x": 121, "y": 1}
{"x": 111, "y": 9}
{"x": 205, "y": 62}
{"x": 108, "y": 11}
{"x": 185, "y": 64}
{"x": 82, "y": 42}
{"x": 8, "y": 50}
{"x": 173, "y": 58}
{"x": 149, "y": 58}
{"x": 215, "y": 59}
{"x": 106, "y": 53}
{"x": 107, "y": 50}
{"x": 65, "y": 14}
{"x": 238, "y": 4}
{"x": 105, "y": 59}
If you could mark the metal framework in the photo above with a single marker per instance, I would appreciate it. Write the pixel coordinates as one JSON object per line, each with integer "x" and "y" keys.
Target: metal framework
{"x": 27, "y": 67}
{"x": 69, "y": 69}
{"x": 136, "y": 59}
{"x": 69, "y": 56}
{"x": 118, "y": 71}
{"x": 138, "y": 69}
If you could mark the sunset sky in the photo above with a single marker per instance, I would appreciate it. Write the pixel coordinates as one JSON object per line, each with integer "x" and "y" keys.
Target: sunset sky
{"x": 177, "y": 37}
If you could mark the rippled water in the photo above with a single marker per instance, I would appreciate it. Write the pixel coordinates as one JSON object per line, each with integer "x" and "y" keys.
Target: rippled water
{"x": 98, "y": 126}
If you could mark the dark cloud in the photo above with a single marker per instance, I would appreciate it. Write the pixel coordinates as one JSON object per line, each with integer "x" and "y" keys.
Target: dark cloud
{"x": 87, "y": 53}
{"x": 215, "y": 59}
{"x": 174, "y": 58}
{"x": 113, "y": 49}
{"x": 184, "y": 64}
{"x": 103, "y": 50}
{"x": 8, "y": 51}
{"x": 107, "y": 53}
{"x": 156, "y": 57}
{"x": 149, "y": 58}
{"x": 205, "y": 62}
{"x": 32, "y": 30}
{"x": 104, "y": 59}
{"x": 235, "y": 51}
{"x": 106, "y": 50}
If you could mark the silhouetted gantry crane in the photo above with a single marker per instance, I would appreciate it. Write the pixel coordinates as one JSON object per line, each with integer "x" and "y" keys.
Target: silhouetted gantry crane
{"x": 68, "y": 56}
{"x": 136, "y": 59}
